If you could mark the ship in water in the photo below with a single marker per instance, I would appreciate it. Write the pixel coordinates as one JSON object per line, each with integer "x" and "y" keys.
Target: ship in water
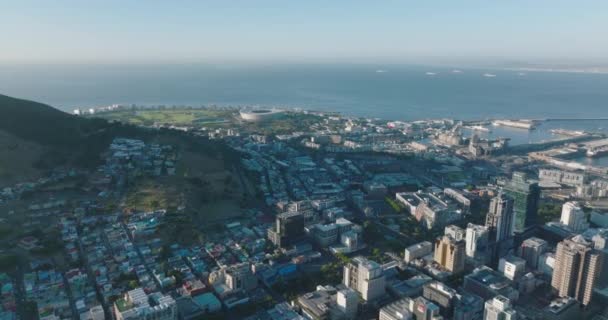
{"x": 489, "y": 75}
{"x": 479, "y": 128}
{"x": 570, "y": 133}
{"x": 521, "y": 124}
{"x": 431, "y": 73}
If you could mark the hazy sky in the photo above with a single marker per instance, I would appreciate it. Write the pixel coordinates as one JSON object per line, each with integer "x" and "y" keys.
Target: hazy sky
{"x": 570, "y": 31}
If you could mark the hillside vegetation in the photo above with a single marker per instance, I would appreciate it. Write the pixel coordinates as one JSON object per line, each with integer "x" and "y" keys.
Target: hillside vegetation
{"x": 41, "y": 137}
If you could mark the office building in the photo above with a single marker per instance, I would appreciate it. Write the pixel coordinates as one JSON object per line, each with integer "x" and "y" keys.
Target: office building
{"x": 328, "y": 303}
{"x": 398, "y": 310}
{"x": 366, "y": 277}
{"x": 417, "y": 250}
{"x": 487, "y": 283}
{"x": 531, "y": 250}
{"x": 240, "y": 277}
{"x": 441, "y": 295}
{"x": 500, "y": 218}
{"x": 525, "y": 195}
{"x": 288, "y": 229}
{"x": 476, "y": 240}
{"x": 499, "y": 308}
{"x": 450, "y": 253}
{"x": 468, "y": 307}
{"x": 347, "y": 301}
{"x": 512, "y": 267}
{"x": 424, "y": 309}
{"x": 563, "y": 308}
{"x": 577, "y": 269}
{"x": 563, "y": 177}
{"x": 574, "y": 217}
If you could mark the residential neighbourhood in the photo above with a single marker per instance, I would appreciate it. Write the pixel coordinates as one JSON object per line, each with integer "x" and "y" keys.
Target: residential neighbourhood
{"x": 348, "y": 219}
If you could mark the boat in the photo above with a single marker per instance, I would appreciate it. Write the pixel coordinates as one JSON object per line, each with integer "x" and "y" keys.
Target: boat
{"x": 456, "y": 71}
{"x": 479, "y": 128}
{"x": 564, "y": 132}
{"x": 597, "y": 152}
{"x": 521, "y": 124}
{"x": 489, "y": 75}
{"x": 380, "y": 71}
{"x": 430, "y": 73}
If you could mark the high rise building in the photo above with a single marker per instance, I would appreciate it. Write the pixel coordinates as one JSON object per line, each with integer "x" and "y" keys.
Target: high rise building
{"x": 531, "y": 249}
{"x": 500, "y": 218}
{"x": 525, "y": 195}
{"x": 574, "y": 217}
{"x": 288, "y": 229}
{"x": 476, "y": 240}
{"x": 366, "y": 277}
{"x": 499, "y": 308}
{"x": 450, "y": 253}
{"x": 577, "y": 269}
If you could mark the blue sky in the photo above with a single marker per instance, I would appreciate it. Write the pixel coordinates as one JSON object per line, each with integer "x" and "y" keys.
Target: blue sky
{"x": 539, "y": 31}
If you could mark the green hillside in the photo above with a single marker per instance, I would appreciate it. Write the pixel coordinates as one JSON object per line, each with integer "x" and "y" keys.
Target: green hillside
{"x": 44, "y": 124}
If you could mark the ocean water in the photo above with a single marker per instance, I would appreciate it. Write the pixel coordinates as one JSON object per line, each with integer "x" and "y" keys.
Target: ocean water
{"x": 388, "y": 92}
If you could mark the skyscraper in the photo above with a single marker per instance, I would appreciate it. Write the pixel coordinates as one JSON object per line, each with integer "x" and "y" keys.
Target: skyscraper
{"x": 577, "y": 269}
{"x": 525, "y": 195}
{"x": 574, "y": 217}
{"x": 500, "y": 218}
{"x": 499, "y": 308}
{"x": 450, "y": 253}
{"x": 477, "y": 243}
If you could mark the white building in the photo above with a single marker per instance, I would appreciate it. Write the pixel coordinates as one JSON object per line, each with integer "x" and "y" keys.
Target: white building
{"x": 574, "y": 217}
{"x": 499, "y": 308}
{"x": 136, "y": 305}
{"x": 476, "y": 239}
{"x": 347, "y": 302}
{"x": 417, "y": 250}
{"x": 366, "y": 277}
{"x": 398, "y": 310}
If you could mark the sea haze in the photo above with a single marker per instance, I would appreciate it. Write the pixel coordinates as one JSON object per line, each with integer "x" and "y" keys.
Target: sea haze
{"x": 389, "y": 92}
